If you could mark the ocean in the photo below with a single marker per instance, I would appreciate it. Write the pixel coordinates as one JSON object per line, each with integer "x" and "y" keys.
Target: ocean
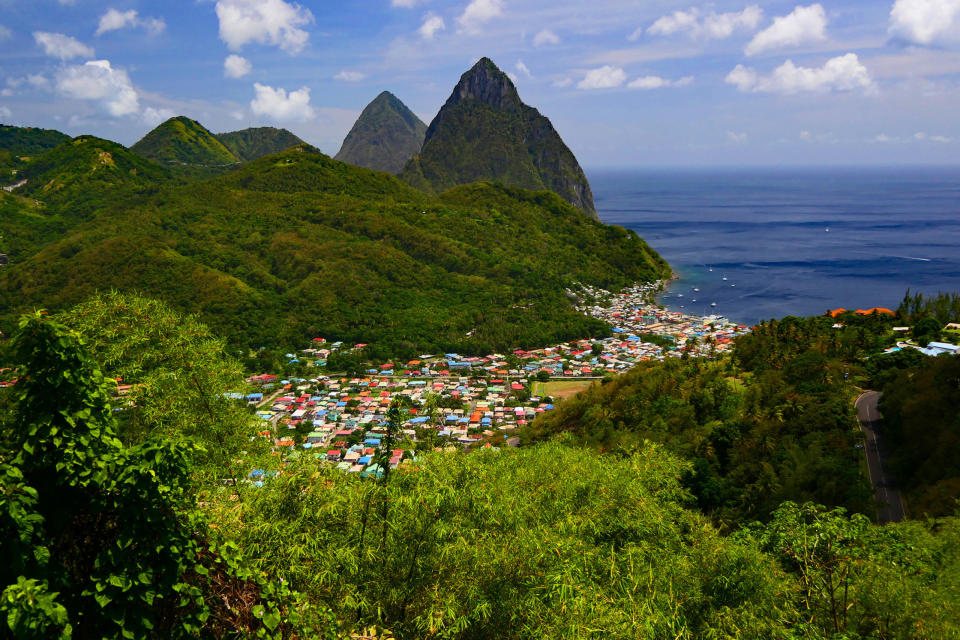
{"x": 764, "y": 244}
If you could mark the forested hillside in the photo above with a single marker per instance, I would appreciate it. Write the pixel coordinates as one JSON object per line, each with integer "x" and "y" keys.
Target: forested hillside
{"x": 548, "y": 541}
{"x": 296, "y": 244}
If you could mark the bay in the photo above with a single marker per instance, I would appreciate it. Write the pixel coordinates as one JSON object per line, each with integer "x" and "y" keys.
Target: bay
{"x": 792, "y": 241}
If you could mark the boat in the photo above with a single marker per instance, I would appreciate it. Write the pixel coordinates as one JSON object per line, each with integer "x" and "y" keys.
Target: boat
{"x": 713, "y": 304}
{"x": 679, "y": 295}
{"x": 724, "y": 278}
{"x": 694, "y": 300}
{"x": 696, "y": 290}
{"x": 733, "y": 285}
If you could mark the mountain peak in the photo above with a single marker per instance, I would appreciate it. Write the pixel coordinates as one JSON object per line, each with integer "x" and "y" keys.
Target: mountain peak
{"x": 182, "y": 141}
{"x": 485, "y": 133}
{"x": 385, "y": 136}
{"x": 486, "y": 83}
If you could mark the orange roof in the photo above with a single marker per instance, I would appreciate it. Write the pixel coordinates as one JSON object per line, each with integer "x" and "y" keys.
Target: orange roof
{"x": 867, "y": 312}
{"x": 836, "y": 312}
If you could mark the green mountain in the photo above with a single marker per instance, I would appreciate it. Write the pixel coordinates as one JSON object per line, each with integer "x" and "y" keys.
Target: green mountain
{"x": 182, "y": 141}
{"x": 386, "y": 135}
{"x": 485, "y": 133}
{"x": 250, "y": 144}
{"x": 89, "y": 173}
{"x": 297, "y": 244}
{"x": 69, "y": 184}
{"x": 18, "y": 143}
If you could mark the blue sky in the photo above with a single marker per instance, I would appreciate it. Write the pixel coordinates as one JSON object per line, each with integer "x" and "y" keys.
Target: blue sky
{"x": 626, "y": 82}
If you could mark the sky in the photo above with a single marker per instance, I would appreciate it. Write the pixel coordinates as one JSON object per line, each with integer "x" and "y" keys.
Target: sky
{"x": 627, "y": 83}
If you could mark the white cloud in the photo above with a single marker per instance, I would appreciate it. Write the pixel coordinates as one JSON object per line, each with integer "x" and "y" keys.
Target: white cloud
{"x": 478, "y": 13}
{"x": 350, "y": 76}
{"x": 923, "y": 137}
{"x": 58, "y": 45}
{"x": 605, "y": 77}
{"x": 38, "y": 81}
{"x": 843, "y": 73}
{"x": 432, "y": 23}
{"x": 805, "y": 135}
{"x": 405, "y": 4}
{"x": 713, "y": 25}
{"x": 114, "y": 20}
{"x": 737, "y": 136}
{"x": 5, "y": 113}
{"x": 545, "y": 37}
{"x": 804, "y": 25}
{"x": 236, "y": 66}
{"x": 656, "y": 82}
{"x": 563, "y": 82}
{"x": 270, "y": 22}
{"x": 98, "y": 81}
{"x": 522, "y": 68}
{"x": 882, "y": 138}
{"x": 5, "y": 32}
{"x": 278, "y": 105}
{"x": 153, "y": 116}
{"x": 925, "y": 22}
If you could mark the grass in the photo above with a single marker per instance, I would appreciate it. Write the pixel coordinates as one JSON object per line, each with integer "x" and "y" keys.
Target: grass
{"x": 561, "y": 389}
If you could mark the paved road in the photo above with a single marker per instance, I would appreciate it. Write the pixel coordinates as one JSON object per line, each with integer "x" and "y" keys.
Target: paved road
{"x": 890, "y": 505}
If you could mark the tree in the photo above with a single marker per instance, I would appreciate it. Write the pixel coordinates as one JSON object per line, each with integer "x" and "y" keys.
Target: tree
{"x": 927, "y": 331}
{"x": 104, "y": 540}
{"x": 180, "y": 374}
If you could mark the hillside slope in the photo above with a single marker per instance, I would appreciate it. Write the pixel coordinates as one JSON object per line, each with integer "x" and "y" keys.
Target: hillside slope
{"x": 250, "y": 144}
{"x": 297, "y": 244}
{"x": 182, "y": 141}
{"x": 485, "y": 132}
{"x": 386, "y": 135}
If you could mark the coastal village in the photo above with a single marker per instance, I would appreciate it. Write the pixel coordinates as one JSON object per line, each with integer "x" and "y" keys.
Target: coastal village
{"x": 466, "y": 401}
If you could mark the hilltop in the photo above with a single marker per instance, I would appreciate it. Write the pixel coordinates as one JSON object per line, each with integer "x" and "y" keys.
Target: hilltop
{"x": 297, "y": 244}
{"x": 182, "y": 141}
{"x": 250, "y": 144}
{"x": 19, "y": 142}
{"x": 386, "y": 135}
{"x": 485, "y": 132}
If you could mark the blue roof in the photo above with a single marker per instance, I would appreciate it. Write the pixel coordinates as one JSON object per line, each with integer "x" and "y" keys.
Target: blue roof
{"x": 373, "y": 442}
{"x": 341, "y": 404}
{"x": 419, "y": 420}
{"x": 364, "y": 460}
{"x": 451, "y": 418}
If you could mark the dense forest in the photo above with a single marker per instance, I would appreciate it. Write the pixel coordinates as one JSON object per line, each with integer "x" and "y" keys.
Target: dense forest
{"x": 550, "y": 540}
{"x": 297, "y": 245}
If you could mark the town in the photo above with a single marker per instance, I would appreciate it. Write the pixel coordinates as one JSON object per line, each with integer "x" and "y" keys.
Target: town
{"x": 466, "y": 401}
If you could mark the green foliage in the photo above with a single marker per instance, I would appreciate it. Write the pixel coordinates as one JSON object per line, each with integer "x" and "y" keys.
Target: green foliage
{"x": 87, "y": 175}
{"x": 386, "y": 135}
{"x": 775, "y": 423}
{"x": 29, "y": 141}
{"x": 31, "y": 612}
{"x": 182, "y": 141}
{"x": 922, "y": 428}
{"x": 858, "y": 580}
{"x": 297, "y": 245}
{"x": 944, "y": 307}
{"x": 927, "y": 330}
{"x": 545, "y": 542}
{"x": 485, "y": 133}
{"x": 117, "y": 547}
{"x": 180, "y": 373}
{"x": 251, "y": 144}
